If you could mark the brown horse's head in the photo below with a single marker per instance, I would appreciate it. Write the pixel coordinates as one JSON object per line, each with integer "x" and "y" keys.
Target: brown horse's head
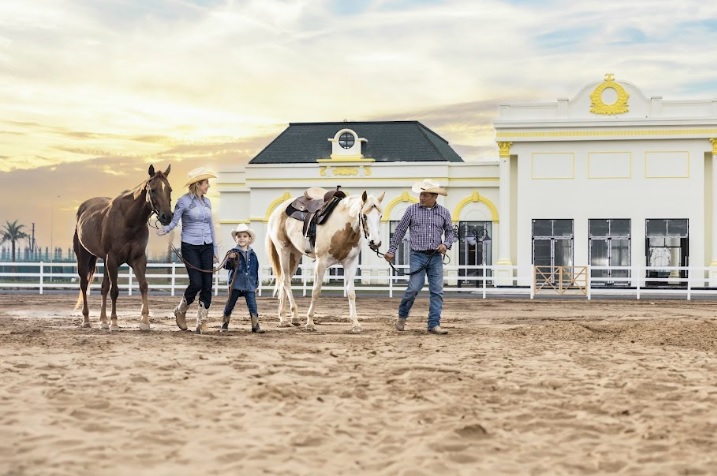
{"x": 159, "y": 194}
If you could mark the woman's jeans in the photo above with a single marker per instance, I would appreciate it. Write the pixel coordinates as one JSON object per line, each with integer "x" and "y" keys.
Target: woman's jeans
{"x": 250, "y": 297}
{"x": 202, "y": 257}
{"x": 431, "y": 266}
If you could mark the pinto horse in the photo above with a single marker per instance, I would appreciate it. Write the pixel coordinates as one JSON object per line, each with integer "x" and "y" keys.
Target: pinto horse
{"x": 338, "y": 240}
{"x": 115, "y": 230}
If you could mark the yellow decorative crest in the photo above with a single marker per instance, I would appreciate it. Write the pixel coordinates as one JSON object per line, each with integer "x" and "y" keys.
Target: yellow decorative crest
{"x": 714, "y": 146}
{"x": 620, "y": 105}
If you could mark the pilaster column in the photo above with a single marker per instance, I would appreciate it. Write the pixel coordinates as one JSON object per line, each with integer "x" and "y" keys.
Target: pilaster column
{"x": 713, "y": 261}
{"x": 504, "y": 277}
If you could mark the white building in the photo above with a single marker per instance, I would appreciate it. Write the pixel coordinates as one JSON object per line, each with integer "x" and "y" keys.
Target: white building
{"x": 610, "y": 177}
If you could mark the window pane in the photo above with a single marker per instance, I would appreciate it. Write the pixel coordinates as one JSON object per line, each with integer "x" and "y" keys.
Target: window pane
{"x": 677, "y": 228}
{"x": 542, "y": 227}
{"x": 542, "y": 253}
{"x": 656, "y": 227}
{"x": 563, "y": 228}
{"x": 599, "y": 228}
{"x": 619, "y": 227}
{"x": 598, "y": 252}
{"x": 563, "y": 252}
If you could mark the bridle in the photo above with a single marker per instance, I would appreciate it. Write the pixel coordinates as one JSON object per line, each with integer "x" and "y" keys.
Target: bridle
{"x": 363, "y": 223}
{"x": 148, "y": 194}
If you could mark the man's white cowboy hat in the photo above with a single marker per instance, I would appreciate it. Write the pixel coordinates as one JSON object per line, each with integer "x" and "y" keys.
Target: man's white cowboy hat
{"x": 199, "y": 174}
{"x": 243, "y": 228}
{"x": 430, "y": 186}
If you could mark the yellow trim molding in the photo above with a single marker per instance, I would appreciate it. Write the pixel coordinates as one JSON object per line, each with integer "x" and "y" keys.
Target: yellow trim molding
{"x": 620, "y": 105}
{"x": 714, "y": 146}
{"x": 607, "y": 133}
{"x": 404, "y": 197}
{"x": 275, "y": 204}
{"x": 476, "y": 198}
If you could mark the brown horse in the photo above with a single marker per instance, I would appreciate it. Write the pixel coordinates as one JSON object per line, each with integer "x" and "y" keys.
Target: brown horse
{"x": 115, "y": 230}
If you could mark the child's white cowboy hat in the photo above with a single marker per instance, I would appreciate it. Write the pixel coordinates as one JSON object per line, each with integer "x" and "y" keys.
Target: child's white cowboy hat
{"x": 429, "y": 186}
{"x": 199, "y": 174}
{"x": 243, "y": 228}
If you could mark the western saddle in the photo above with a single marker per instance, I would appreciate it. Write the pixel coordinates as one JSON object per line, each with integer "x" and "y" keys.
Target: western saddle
{"x": 313, "y": 208}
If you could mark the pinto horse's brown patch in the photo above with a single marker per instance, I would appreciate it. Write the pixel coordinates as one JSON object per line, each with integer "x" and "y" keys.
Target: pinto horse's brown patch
{"x": 344, "y": 241}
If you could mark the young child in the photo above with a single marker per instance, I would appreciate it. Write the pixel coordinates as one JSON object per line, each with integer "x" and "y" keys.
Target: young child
{"x": 243, "y": 267}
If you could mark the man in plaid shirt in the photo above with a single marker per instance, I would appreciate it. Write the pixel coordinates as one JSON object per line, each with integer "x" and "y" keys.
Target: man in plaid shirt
{"x": 431, "y": 236}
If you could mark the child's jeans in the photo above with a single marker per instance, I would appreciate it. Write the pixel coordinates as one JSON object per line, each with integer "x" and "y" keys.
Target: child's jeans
{"x": 250, "y": 297}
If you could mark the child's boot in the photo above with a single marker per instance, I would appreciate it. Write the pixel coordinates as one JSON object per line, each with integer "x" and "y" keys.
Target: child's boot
{"x": 225, "y": 323}
{"x": 255, "y": 327}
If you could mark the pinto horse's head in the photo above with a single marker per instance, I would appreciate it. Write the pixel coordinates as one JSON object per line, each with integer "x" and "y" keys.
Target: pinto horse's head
{"x": 159, "y": 194}
{"x": 371, "y": 212}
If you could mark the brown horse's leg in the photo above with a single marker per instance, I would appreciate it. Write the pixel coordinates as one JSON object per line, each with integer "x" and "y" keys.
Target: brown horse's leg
{"x": 112, "y": 267}
{"x": 103, "y": 308}
{"x": 85, "y": 270}
{"x": 140, "y": 267}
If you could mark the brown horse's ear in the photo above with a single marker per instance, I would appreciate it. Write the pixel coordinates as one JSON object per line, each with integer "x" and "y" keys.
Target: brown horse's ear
{"x": 151, "y": 170}
{"x": 364, "y": 196}
{"x": 166, "y": 172}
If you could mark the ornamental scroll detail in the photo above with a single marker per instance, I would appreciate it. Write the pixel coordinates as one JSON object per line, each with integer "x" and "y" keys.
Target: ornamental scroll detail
{"x": 598, "y": 106}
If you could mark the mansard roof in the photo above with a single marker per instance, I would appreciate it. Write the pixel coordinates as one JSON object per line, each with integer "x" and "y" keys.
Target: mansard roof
{"x": 385, "y": 141}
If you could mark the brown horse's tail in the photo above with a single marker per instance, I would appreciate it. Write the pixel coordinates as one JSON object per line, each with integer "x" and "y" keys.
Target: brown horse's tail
{"x": 91, "y": 267}
{"x": 275, "y": 263}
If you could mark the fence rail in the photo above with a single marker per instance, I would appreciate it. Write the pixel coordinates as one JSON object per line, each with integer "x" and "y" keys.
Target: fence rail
{"x": 481, "y": 281}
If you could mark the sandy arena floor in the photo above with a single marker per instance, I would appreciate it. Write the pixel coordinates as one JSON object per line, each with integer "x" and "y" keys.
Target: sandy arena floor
{"x": 518, "y": 387}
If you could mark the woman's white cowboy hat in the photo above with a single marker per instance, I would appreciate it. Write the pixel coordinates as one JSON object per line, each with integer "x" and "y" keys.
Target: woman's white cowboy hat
{"x": 429, "y": 186}
{"x": 243, "y": 228}
{"x": 199, "y": 174}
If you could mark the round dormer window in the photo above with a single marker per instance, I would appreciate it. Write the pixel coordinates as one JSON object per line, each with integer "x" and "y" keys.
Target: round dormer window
{"x": 347, "y": 140}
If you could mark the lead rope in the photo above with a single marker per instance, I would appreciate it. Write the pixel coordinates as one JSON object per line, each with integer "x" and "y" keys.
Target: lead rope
{"x": 187, "y": 263}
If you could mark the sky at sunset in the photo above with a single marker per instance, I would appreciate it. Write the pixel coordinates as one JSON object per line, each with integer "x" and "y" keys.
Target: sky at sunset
{"x": 93, "y": 91}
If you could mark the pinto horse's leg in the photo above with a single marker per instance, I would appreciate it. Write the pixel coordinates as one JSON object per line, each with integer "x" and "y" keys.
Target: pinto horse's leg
{"x": 294, "y": 262}
{"x": 288, "y": 267}
{"x": 349, "y": 274}
{"x": 105, "y": 289}
{"x": 319, "y": 270}
{"x": 140, "y": 267}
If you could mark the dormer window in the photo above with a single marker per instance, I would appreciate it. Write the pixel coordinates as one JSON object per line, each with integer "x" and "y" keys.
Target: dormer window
{"x": 346, "y": 140}
{"x": 346, "y": 145}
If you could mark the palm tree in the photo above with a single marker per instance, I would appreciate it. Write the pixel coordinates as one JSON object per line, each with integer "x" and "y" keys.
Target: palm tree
{"x": 13, "y": 233}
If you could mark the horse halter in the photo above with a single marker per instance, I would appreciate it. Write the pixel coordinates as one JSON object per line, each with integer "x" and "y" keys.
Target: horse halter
{"x": 363, "y": 222}
{"x": 148, "y": 194}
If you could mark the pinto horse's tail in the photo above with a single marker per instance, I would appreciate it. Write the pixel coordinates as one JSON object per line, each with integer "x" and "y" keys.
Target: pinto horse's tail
{"x": 91, "y": 267}
{"x": 275, "y": 263}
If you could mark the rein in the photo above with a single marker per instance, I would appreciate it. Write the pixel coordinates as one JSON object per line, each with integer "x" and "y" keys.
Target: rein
{"x": 187, "y": 263}
{"x": 400, "y": 272}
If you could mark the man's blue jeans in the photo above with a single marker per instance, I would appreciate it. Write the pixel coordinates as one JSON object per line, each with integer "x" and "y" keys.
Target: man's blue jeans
{"x": 431, "y": 266}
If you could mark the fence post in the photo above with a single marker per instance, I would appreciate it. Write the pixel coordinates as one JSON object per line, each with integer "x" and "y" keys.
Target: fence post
{"x": 42, "y": 275}
{"x": 129, "y": 281}
{"x": 174, "y": 278}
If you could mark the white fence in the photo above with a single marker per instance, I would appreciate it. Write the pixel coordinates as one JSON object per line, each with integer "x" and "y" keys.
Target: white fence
{"x": 478, "y": 281}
